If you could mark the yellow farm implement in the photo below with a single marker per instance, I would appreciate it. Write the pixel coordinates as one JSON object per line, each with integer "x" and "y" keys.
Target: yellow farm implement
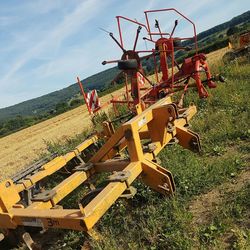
{"x": 125, "y": 154}
{"x": 142, "y": 137}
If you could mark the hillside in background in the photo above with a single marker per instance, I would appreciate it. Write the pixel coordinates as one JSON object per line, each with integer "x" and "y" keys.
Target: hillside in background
{"x": 241, "y": 19}
{"x": 44, "y": 106}
{"x": 48, "y": 102}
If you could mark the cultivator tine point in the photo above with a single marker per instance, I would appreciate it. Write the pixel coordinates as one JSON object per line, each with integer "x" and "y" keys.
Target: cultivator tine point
{"x": 30, "y": 243}
{"x": 1, "y": 237}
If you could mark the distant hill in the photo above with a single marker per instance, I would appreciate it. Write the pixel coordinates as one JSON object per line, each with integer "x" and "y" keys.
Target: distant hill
{"x": 102, "y": 80}
{"x": 48, "y": 102}
{"x": 241, "y": 19}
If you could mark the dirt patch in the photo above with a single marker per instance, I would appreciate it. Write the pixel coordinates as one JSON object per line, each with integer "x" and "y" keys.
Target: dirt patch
{"x": 202, "y": 207}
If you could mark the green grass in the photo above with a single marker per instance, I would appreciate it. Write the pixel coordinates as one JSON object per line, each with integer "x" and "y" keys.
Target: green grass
{"x": 150, "y": 221}
{"x": 229, "y": 221}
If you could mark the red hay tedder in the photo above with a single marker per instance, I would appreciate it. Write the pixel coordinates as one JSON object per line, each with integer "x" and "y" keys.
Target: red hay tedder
{"x": 170, "y": 76}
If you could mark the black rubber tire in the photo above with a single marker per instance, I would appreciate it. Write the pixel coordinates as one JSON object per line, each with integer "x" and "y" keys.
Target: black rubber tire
{"x": 228, "y": 57}
{"x": 128, "y": 64}
{"x": 161, "y": 94}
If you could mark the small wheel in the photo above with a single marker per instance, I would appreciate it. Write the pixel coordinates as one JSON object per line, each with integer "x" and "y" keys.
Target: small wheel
{"x": 228, "y": 57}
{"x": 161, "y": 94}
{"x": 128, "y": 64}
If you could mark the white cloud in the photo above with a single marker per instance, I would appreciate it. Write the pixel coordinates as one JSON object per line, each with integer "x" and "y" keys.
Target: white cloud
{"x": 71, "y": 23}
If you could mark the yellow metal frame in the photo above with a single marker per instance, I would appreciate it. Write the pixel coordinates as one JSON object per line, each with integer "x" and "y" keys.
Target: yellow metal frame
{"x": 158, "y": 125}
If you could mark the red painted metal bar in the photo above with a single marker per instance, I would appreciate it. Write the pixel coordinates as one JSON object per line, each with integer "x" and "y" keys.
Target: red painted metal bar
{"x": 119, "y": 29}
{"x": 155, "y": 66}
{"x": 83, "y": 94}
{"x": 112, "y": 61}
{"x": 129, "y": 20}
{"x": 173, "y": 9}
{"x": 149, "y": 31}
{"x": 172, "y": 61}
{"x": 126, "y": 86}
{"x": 160, "y": 33}
{"x": 145, "y": 38}
{"x": 160, "y": 50}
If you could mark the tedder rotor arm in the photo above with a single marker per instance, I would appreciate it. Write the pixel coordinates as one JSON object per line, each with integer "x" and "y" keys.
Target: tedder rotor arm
{"x": 137, "y": 36}
{"x": 116, "y": 41}
{"x": 157, "y": 26}
{"x": 173, "y": 30}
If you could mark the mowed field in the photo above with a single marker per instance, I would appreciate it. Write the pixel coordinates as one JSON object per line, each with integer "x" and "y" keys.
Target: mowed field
{"x": 21, "y": 148}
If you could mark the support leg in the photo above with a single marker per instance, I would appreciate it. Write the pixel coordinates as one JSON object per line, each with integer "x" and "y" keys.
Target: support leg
{"x": 188, "y": 139}
{"x": 158, "y": 178}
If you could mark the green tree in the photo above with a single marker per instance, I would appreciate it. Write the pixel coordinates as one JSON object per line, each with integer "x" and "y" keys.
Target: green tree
{"x": 61, "y": 107}
{"x": 232, "y": 30}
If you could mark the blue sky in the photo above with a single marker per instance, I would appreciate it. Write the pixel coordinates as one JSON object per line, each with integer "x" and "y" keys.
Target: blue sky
{"x": 45, "y": 44}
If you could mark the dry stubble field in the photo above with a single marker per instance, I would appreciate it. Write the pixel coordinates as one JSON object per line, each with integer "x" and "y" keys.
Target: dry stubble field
{"x": 21, "y": 148}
